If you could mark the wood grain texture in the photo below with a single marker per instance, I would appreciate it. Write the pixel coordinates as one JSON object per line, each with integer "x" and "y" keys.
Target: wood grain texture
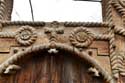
{"x": 52, "y": 68}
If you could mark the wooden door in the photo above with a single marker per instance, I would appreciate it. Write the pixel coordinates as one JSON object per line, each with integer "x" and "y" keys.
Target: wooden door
{"x": 53, "y": 68}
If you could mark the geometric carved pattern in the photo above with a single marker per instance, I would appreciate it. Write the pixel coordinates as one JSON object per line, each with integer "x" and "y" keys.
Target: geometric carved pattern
{"x": 26, "y": 35}
{"x": 81, "y": 37}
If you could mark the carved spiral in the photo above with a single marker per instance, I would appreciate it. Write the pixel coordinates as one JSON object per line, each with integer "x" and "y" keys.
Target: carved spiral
{"x": 81, "y": 37}
{"x": 26, "y": 35}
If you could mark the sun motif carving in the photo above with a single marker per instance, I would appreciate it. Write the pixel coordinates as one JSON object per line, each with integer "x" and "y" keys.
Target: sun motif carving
{"x": 81, "y": 37}
{"x": 122, "y": 2}
{"x": 26, "y": 35}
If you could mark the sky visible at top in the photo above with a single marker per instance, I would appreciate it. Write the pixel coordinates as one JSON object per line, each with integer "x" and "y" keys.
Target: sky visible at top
{"x": 57, "y": 10}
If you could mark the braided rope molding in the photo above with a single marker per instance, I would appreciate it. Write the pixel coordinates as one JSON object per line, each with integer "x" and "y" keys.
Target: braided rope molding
{"x": 70, "y": 49}
{"x": 86, "y": 24}
{"x": 66, "y": 24}
{"x": 81, "y": 37}
{"x": 25, "y": 36}
{"x": 118, "y": 63}
{"x": 120, "y": 60}
{"x": 7, "y": 23}
{"x": 102, "y": 37}
{"x": 9, "y": 9}
{"x": 114, "y": 65}
{"x": 120, "y": 31}
{"x": 120, "y": 9}
{"x": 6, "y": 7}
{"x": 112, "y": 52}
{"x": 7, "y": 34}
{"x": 2, "y": 9}
{"x": 109, "y": 12}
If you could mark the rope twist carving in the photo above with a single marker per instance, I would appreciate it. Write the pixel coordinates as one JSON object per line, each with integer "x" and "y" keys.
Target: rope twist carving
{"x": 26, "y": 35}
{"x": 81, "y": 37}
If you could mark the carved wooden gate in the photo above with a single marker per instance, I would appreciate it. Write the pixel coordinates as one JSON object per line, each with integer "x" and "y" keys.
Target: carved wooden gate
{"x": 63, "y": 52}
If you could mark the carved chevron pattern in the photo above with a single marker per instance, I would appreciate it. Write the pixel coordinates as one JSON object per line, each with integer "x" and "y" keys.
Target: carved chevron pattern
{"x": 118, "y": 64}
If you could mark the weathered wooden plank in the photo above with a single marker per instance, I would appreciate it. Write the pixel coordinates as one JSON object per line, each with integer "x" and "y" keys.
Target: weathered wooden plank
{"x": 53, "y": 68}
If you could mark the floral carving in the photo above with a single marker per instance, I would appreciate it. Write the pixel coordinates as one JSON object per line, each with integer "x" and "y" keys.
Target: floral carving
{"x": 26, "y": 35}
{"x": 81, "y": 37}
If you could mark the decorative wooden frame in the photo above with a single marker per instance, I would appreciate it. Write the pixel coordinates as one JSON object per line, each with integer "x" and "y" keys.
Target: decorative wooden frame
{"x": 58, "y": 28}
{"x": 55, "y": 44}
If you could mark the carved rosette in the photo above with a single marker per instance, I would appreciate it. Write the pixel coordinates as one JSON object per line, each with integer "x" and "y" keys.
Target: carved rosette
{"x": 81, "y": 37}
{"x": 26, "y": 35}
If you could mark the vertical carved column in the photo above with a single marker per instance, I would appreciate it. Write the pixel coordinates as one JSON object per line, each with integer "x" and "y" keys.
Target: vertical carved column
{"x": 112, "y": 53}
{"x": 6, "y": 7}
{"x": 107, "y": 10}
{"x": 2, "y": 9}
